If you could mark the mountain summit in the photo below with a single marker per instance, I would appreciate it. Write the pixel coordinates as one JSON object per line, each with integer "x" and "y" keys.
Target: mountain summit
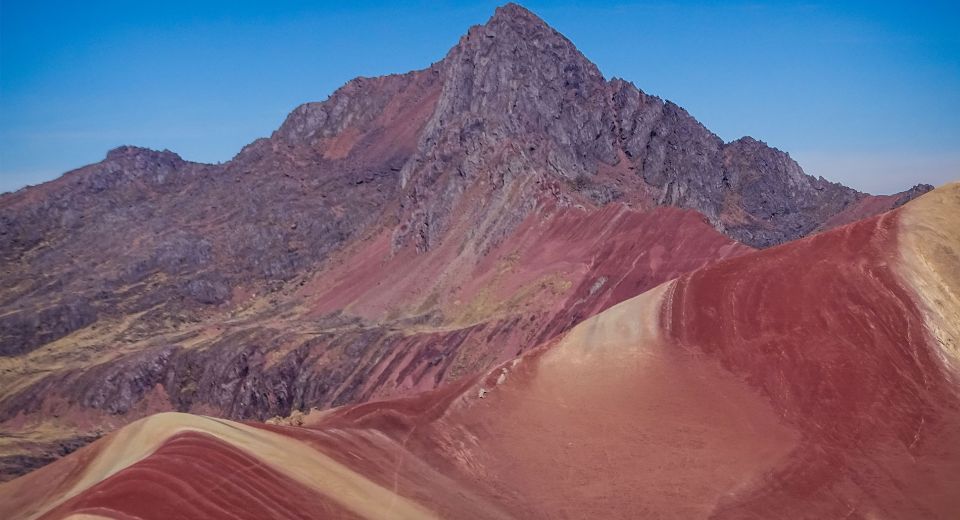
{"x": 514, "y": 107}
{"x": 407, "y": 231}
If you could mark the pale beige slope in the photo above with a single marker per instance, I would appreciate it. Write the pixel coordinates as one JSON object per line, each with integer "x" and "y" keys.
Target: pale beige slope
{"x": 930, "y": 251}
{"x": 284, "y": 454}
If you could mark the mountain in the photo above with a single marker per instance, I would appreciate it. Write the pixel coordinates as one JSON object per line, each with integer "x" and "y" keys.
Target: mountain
{"x": 410, "y": 230}
{"x": 733, "y": 391}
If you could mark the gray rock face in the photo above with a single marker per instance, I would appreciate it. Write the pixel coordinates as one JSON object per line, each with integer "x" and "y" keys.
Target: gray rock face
{"x": 518, "y": 103}
{"x": 781, "y": 202}
{"x": 23, "y": 330}
{"x": 521, "y": 107}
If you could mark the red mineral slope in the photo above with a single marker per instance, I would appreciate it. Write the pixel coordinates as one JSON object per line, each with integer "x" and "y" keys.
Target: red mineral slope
{"x": 561, "y": 265}
{"x": 368, "y": 325}
{"x": 836, "y": 338}
{"x": 818, "y": 379}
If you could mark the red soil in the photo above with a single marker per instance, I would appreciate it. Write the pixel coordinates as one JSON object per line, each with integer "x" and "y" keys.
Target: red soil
{"x": 827, "y": 332}
{"x": 632, "y": 250}
{"x": 558, "y": 267}
{"x": 796, "y": 382}
{"x": 194, "y": 475}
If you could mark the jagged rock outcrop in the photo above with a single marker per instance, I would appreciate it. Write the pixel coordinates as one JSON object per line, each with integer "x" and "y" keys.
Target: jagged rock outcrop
{"x": 521, "y": 107}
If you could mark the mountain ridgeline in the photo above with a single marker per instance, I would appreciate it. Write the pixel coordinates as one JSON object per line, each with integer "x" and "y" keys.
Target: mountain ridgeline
{"x": 337, "y": 260}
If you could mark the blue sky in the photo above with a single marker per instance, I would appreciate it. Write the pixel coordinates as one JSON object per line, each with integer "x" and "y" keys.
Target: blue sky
{"x": 863, "y": 93}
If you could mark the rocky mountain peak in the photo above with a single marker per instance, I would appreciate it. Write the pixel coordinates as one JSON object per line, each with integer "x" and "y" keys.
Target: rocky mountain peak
{"x": 511, "y": 20}
{"x": 517, "y": 14}
{"x": 524, "y": 119}
{"x": 520, "y": 45}
{"x": 524, "y": 37}
{"x": 518, "y": 103}
{"x": 514, "y": 118}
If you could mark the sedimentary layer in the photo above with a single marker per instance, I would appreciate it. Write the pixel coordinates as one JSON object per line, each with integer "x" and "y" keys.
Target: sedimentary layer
{"x": 813, "y": 380}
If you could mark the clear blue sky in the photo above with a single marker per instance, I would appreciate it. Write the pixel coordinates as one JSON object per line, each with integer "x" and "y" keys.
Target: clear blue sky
{"x": 864, "y": 93}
